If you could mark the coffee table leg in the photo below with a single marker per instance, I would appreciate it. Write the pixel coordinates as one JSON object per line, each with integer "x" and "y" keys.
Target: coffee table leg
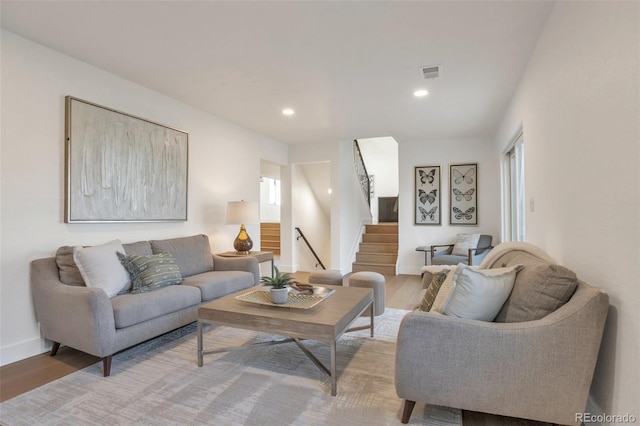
{"x": 199, "y": 332}
{"x": 334, "y": 376}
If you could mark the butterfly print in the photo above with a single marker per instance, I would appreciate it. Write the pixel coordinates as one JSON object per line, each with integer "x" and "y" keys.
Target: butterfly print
{"x": 427, "y": 177}
{"x": 427, "y": 196}
{"x": 459, "y": 177}
{"x": 466, "y": 195}
{"x": 431, "y": 213}
{"x": 468, "y": 214}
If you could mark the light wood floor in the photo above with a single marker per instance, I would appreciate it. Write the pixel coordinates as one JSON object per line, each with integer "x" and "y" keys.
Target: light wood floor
{"x": 402, "y": 292}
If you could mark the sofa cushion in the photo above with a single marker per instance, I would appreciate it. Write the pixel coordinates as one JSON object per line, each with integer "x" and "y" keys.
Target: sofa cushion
{"x": 151, "y": 272}
{"x": 140, "y": 248}
{"x": 101, "y": 268}
{"x": 192, "y": 254}
{"x": 538, "y": 290}
{"x": 67, "y": 268}
{"x": 432, "y": 291}
{"x": 463, "y": 243}
{"x": 478, "y": 293}
{"x": 216, "y": 284}
{"x": 132, "y": 309}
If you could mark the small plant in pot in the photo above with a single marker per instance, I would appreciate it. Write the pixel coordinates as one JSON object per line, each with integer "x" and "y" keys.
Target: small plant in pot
{"x": 278, "y": 283}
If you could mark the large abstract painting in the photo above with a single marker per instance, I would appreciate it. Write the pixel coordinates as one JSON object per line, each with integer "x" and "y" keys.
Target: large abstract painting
{"x": 121, "y": 168}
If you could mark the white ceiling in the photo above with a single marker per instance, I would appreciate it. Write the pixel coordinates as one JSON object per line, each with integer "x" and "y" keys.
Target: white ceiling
{"x": 349, "y": 69}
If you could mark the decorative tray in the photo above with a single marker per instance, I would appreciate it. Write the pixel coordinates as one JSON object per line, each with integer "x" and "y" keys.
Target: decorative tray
{"x": 298, "y": 301}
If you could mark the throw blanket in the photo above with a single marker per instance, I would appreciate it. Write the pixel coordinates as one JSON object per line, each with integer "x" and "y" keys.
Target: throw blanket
{"x": 511, "y": 246}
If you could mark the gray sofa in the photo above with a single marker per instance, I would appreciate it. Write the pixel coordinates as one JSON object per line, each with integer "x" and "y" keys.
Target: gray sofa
{"x": 85, "y": 318}
{"x": 538, "y": 369}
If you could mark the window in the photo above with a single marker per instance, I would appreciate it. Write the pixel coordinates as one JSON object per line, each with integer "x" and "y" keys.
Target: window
{"x": 273, "y": 186}
{"x": 514, "y": 225}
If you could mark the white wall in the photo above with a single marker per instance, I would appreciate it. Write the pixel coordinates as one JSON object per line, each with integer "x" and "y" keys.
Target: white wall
{"x": 578, "y": 103}
{"x": 34, "y": 82}
{"x": 381, "y": 160}
{"x": 443, "y": 153}
{"x": 312, "y": 220}
{"x": 349, "y": 210}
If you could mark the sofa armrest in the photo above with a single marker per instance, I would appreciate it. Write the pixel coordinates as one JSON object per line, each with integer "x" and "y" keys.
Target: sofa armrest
{"x": 243, "y": 263}
{"x": 79, "y": 317}
{"x": 539, "y": 370}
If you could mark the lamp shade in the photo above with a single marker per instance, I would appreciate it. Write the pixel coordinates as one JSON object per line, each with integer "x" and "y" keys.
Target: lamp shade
{"x": 242, "y": 212}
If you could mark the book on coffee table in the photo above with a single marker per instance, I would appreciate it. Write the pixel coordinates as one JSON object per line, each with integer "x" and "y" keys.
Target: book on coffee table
{"x": 323, "y": 292}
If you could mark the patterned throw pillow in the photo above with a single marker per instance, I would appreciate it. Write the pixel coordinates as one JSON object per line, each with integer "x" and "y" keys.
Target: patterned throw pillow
{"x": 432, "y": 291}
{"x": 151, "y": 272}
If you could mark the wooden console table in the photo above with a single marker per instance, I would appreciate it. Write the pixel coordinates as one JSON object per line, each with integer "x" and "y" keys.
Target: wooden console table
{"x": 261, "y": 256}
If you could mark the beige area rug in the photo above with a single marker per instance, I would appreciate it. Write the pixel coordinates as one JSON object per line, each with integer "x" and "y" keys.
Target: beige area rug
{"x": 159, "y": 383}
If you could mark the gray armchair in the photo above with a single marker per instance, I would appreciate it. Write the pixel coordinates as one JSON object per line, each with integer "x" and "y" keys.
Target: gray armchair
{"x": 539, "y": 369}
{"x": 473, "y": 257}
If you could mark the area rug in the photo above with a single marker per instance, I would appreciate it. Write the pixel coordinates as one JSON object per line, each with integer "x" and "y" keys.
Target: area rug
{"x": 159, "y": 383}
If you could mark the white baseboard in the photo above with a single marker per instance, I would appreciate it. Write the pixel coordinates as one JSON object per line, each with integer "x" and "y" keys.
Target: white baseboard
{"x": 22, "y": 350}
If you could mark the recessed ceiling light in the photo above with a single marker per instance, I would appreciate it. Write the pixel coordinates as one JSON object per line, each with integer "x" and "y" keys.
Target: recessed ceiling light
{"x": 288, "y": 111}
{"x": 329, "y": 191}
{"x": 420, "y": 93}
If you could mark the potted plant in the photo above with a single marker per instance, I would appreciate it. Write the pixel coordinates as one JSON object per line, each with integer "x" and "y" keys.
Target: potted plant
{"x": 278, "y": 283}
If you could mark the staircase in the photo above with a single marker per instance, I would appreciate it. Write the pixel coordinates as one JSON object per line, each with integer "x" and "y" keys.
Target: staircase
{"x": 378, "y": 250}
{"x": 270, "y": 237}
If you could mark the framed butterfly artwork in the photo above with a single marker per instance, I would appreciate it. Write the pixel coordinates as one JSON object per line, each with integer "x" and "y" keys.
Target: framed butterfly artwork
{"x": 427, "y": 195}
{"x": 463, "y": 194}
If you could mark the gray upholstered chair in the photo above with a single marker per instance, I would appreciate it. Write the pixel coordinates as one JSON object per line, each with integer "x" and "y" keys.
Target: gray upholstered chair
{"x": 473, "y": 256}
{"x": 539, "y": 369}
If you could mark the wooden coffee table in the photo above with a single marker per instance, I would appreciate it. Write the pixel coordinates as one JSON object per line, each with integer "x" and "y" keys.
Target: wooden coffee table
{"x": 325, "y": 322}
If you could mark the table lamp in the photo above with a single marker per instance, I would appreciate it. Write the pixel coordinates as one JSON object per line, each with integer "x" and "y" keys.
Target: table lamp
{"x": 241, "y": 213}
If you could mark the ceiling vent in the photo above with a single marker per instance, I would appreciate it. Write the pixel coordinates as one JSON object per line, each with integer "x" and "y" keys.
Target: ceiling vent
{"x": 431, "y": 72}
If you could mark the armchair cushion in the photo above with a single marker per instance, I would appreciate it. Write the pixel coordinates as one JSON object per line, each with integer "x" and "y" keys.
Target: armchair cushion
{"x": 464, "y": 242}
{"x": 151, "y": 272}
{"x": 100, "y": 267}
{"x": 479, "y": 294}
{"x": 538, "y": 290}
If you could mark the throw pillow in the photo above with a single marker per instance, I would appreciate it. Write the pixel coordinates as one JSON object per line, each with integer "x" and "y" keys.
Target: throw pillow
{"x": 464, "y": 242}
{"x": 101, "y": 268}
{"x": 432, "y": 291}
{"x": 151, "y": 272}
{"x": 479, "y": 293}
{"x": 538, "y": 290}
{"x": 67, "y": 268}
{"x": 443, "y": 294}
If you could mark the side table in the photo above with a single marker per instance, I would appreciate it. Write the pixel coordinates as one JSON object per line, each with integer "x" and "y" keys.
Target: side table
{"x": 426, "y": 250}
{"x": 261, "y": 256}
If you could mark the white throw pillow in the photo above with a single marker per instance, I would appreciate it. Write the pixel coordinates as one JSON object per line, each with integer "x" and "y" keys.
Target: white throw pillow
{"x": 478, "y": 293}
{"x": 464, "y": 242}
{"x": 100, "y": 267}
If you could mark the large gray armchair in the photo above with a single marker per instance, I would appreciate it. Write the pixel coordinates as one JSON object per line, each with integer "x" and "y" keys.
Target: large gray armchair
{"x": 540, "y": 369}
{"x": 474, "y": 256}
